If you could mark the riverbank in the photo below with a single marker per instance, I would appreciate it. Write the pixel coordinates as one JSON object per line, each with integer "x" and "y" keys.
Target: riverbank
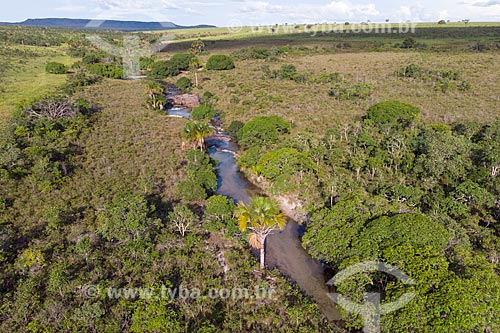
{"x": 284, "y": 249}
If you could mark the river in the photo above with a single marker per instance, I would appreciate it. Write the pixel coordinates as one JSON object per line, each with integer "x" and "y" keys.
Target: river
{"x": 284, "y": 250}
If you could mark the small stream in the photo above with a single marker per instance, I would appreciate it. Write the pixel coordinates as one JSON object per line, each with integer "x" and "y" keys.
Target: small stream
{"x": 284, "y": 250}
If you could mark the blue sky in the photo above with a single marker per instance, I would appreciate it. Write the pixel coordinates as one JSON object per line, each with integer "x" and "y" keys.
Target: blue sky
{"x": 232, "y": 12}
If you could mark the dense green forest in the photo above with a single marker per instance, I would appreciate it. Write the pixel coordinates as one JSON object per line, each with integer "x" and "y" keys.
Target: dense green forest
{"x": 424, "y": 198}
{"x": 100, "y": 189}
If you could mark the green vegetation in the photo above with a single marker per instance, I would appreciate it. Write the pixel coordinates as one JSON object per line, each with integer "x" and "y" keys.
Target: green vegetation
{"x": 395, "y": 190}
{"x": 442, "y": 80}
{"x": 115, "y": 212}
{"x": 388, "y": 144}
{"x": 195, "y": 132}
{"x": 163, "y": 69}
{"x": 184, "y": 84}
{"x": 393, "y": 114}
{"x": 111, "y": 71}
{"x": 181, "y": 61}
{"x": 204, "y": 112}
{"x": 263, "y": 131}
{"x": 261, "y": 217}
{"x": 218, "y": 215}
{"x": 172, "y": 67}
{"x": 56, "y": 68}
{"x": 342, "y": 91}
{"x": 156, "y": 96}
{"x": 220, "y": 63}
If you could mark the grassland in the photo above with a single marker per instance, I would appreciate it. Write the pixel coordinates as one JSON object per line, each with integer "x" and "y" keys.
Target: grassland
{"x": 246, "y": 32}
{"x": 131, "y": 147}
{"x": 245, "y": 93}
{"x": 24, "y": 76}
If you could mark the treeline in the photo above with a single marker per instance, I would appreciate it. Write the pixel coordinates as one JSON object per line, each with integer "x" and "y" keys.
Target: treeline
{"x": 422, "y": 197}
{"x": 33, "y": 36}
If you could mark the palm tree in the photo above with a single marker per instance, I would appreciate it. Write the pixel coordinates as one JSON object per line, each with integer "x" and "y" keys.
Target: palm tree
{"x": 196, "y": 132}
{"x": 262, "y": 216}
{"x": 194, "y": 64}
{"x": 156, "y": 98}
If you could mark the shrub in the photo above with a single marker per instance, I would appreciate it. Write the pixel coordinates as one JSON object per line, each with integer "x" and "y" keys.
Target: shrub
{"x": 325, "y": 77}
{"x": 204, "y": 111}
{"x": 409, "y": 43}
{"x": 288, "y": 72}
{"x": 480, "y": 47}
{"x": 218, "y": 214}
{"x": 350, "y": 92}
{"x": 260, "y": 53}
{"x": 146, "y": 64}
{"x": 220, "y": 207}
{"x": 251, "y": 157}
{"x": 180, "y": 61}
{"x": 234, "y": 100}
{"x": 465, "y": 86}
{"x": 111, "y": 71}
{"x": 234, "y": 129}
{"x": 220, "y": 62}
{"x": 79, "y": 80}
{"x": 189, "y": 191}
{"x": 442, "y": 80}
{"x": 284, "y": 161}
{"x": 184, "y": 84}
{"x": 263, "y": 130}
{"x": 393, "y": 113}
{"x": 209, "y": 98}
{"x": 162, "y": 69}
{"x": 411, "y": 71}
{"x": 56, "y": 68}
{"x": 91, "y": 58}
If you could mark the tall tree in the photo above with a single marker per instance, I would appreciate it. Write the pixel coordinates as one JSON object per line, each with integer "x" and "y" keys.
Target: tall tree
{"x": 197, "y": 47}
{"x": 156, "y": 97}
{"x": 194, "y": 65}
{"x": 262, "y": 216}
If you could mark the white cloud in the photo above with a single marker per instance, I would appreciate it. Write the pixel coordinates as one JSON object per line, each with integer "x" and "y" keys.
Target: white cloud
{"x": 405, "y": 12}
{"x": 483, "y": 10}
{"x": 443, "y": 15}
{"x": 490, "y": 3}
{"x": 132, "y": 5}
{"x": 154, "y": 10}
{"x": 304, "y": 12}
{"x": 260, "y": 7}
{"x": 347, "y": 10}
{"x": 70, "y": 7}
{"x": 258, "y": 12}
{"x": 417, "y": 13}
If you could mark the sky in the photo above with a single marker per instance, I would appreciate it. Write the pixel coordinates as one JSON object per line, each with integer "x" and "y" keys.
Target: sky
{"x": 247, "y": 12}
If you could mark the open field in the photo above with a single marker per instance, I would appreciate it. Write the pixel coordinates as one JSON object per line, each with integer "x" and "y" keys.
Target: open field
{"x": 430, "y": 37}
{"x": 246, "y": 32}
{"x": 245, "y": 93}
{"x": 25, "y": 77}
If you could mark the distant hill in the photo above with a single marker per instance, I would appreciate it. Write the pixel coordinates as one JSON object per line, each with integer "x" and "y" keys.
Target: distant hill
{"x": 102, "y": 24}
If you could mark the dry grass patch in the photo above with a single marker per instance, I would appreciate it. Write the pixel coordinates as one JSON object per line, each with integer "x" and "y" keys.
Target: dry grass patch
{"x": 244, "y": 93}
